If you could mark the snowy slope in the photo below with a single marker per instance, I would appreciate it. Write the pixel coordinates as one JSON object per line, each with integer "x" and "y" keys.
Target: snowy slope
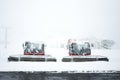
{"x": 113, "y": 63}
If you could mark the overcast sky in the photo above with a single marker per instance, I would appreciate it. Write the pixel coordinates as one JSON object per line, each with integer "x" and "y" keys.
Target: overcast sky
{"x": 48, "y": 20}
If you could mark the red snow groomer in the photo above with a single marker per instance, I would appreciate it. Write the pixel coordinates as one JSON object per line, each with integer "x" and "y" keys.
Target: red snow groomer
{"x": 80, "y": 51}
{"x": 33, "y": 48}
{"x": 33, "y": 52}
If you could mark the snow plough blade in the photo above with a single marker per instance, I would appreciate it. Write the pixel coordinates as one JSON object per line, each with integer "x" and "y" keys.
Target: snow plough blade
{"x": 84, "y": 58}
{"x": 32, "y": 58}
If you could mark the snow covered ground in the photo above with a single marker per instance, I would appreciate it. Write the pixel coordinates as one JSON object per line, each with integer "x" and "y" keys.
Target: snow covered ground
{"x": 55, "y": 21}
{"x": 59, "y": 53}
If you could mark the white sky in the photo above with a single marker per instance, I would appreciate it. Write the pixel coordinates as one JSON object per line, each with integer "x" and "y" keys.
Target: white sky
{"x": 57, "y": 20}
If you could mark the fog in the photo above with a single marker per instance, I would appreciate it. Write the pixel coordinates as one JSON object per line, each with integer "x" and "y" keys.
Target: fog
{"x": 54, "y": 22}
{"x": 59, "y": 20}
